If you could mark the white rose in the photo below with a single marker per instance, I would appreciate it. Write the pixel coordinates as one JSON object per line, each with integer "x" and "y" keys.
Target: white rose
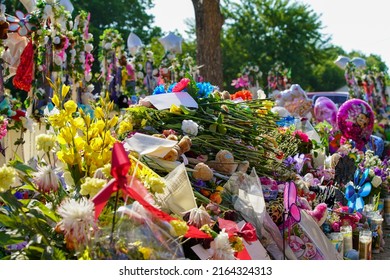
{"x": 189, "y": 127}
{"x": 376, "y": 181}
{"x": 371, "y": 173}
{"x": 108, "y": 46}
{"x": 88, "y": 47}
{"x": 90, "y": 36}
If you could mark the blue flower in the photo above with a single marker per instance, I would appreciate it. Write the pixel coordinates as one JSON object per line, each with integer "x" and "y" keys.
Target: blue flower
{"x": 205, "y": 89}
{"x": 356, "y": 190}
{"x": 171, "y": 87}
{"x": 159, "y": 89}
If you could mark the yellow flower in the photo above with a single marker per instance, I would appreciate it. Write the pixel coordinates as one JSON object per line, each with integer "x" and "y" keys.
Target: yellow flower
{"x": 7, "y": 177}
{"x": 79, "y": 142}
{"x": 268, "y": 104}
{"x": 146, "y": 252}
{"x": 67, "y": 156}
{"x": 70, "y": 107}
{"x": 156, "y": 184}
{"x": 237, "y": 244}
{"x": 78, "y": 123}
{"x": 175, "y": 109}
{"x": 99, "y": 114}
{"x": 58, "y": 120}
{"x": 99, "y": 125}
{"x": 92, "y": 186}
{"x": 125, "y": 127}
{"x": 66, "y": 135}
{"x": 56, "y": 100}
{"x": 180, "y": 228}
{"x": 45, "y": 142}
{"x": 113, "y": 121}
{"x": 96, "y": 144}
{"x": 144, "y": 122}
{"x": 64, "y": 91}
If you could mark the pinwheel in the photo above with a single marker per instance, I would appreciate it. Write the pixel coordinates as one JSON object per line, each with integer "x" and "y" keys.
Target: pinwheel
{"x": 356, "y": 190}
{"x": 20, "y": 23}
{"x": 290, "y": 207}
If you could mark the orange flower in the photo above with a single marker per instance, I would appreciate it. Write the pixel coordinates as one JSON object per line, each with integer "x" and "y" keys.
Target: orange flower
{"x": 216, "y": 197}
{"x": 243, "y": 94}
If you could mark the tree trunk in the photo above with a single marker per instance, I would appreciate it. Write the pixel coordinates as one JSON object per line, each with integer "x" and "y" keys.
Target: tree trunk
{"x": 209, "y": 21}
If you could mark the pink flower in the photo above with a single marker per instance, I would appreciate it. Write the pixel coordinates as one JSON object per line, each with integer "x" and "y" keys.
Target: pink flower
{"x": 180, "y": 86}
{"x": 303, "y": 136}
{"x": 3, "y": 128}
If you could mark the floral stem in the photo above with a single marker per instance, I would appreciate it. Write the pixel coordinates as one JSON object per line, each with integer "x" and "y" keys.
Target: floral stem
{"x": 113, "y": 218}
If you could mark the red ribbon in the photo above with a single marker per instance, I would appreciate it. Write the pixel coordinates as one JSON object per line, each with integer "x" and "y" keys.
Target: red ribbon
{"x": 24, "y": 73}
{"x": 120, "y": 165}
{"x": 247, "y": 231}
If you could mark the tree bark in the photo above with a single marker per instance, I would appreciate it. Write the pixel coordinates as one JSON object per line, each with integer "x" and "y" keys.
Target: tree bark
{"x": 209, "y": 21}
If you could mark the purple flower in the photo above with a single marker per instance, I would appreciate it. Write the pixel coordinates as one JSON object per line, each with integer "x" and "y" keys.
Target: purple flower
{"x": 289, "y": 161}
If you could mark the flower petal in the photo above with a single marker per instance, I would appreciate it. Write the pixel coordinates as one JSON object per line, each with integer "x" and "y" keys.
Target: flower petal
{"x": 23, "y": 31}
{"x": 13, "y": 27}
{"x": 365, "y": 189}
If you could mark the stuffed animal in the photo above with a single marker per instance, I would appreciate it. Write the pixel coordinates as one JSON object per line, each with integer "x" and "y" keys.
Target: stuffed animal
{"x": 319, "y": 213}
{"x": 202, "y": 172}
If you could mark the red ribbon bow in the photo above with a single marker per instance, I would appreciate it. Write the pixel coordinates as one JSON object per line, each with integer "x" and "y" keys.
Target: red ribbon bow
{"x": 247, "y": 231}
{"x": 120, "y": 165}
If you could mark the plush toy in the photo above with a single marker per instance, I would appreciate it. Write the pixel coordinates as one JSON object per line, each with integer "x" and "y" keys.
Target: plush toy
{"x": 182, "y": 147}
{"x": 224, "y": 162}
{"x": 202, "y": 172}
{"x": 319, "y": 213}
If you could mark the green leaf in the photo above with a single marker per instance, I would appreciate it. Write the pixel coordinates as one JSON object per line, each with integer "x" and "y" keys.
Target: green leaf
{"x": 19, "y": 165}
{"x": 7, "y": 239}
{"x": 220, "y": 118}
{"x": 35, "y": 204}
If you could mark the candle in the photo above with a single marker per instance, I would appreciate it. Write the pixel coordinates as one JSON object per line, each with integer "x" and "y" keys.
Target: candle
{"x": 365, "y": 241}
{"x": 347, "y": 238}
{"x": 337, "y": 240}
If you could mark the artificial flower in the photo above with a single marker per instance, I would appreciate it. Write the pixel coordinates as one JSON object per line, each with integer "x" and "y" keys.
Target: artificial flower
{"x": 45, "y": 142}
{"x": 46, "y": 179}
{"x": 7, "y": 177}
{"x": 189, "y": 127}
{"x": 77, "y": 219}
{"x": 3, "y": 128}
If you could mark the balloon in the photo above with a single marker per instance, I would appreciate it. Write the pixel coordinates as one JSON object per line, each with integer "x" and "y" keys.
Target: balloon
{"x": 359, "y": 62}
{"x": 67, "y": 5}
{"x": 355, "y": 120}
{"x": 133, "y": 43}
{"x": 342, "y": 61}
{"x": 30, "y": 5}
{"x": 376, "y": 144}
{"x": 171, "y": 43}
{"x": 325, "y": 110}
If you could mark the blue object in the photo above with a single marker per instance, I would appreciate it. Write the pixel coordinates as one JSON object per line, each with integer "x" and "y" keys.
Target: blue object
{"x": 354, "y": 192}
{"x": 352, "y": 254}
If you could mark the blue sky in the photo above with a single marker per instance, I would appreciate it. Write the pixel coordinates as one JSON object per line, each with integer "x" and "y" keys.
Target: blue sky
{"x": 353, "y": 24}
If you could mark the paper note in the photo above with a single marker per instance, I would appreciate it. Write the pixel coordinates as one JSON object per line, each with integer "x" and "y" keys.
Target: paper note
{"x": 149, "y": 145}
{"x": 166, "y": 100}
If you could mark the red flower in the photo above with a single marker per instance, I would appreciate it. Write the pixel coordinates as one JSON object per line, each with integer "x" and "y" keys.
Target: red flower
{"x": 243, "y": 94}
{"x": 19, "y": 114}
{"x": 181, "y": 85}
{"x": 303, "y": 136}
